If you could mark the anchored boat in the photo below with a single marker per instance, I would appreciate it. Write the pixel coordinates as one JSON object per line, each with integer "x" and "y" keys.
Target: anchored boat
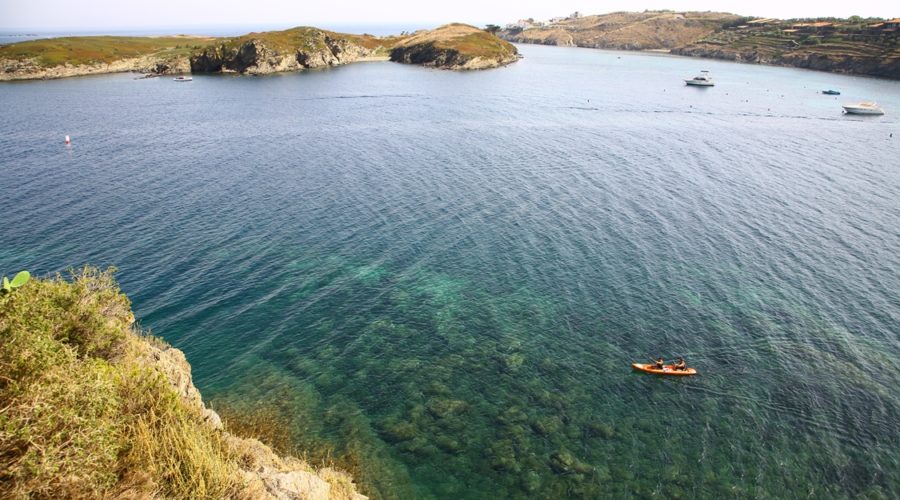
{"x": 863, "y": 108}
{"x": 704, "y": 79}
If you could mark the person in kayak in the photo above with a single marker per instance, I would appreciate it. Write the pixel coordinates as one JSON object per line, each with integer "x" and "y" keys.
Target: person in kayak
{"x": 660, "y": 363}
{"x": 680, "y": 365}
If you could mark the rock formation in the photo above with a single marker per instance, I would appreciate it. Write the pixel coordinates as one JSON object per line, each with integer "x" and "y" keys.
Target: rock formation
{"x": 262, "y": 54}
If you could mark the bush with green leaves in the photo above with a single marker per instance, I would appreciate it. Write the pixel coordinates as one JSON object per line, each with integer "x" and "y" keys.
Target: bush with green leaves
{"x": 20, "y": 279}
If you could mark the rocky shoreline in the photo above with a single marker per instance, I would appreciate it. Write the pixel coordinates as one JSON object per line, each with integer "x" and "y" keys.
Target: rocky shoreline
{"x": 268, "y": 475}
{"x": 849, "y": 64}
{"x": 454, "y": 47}
{"x": 30, "y": 69}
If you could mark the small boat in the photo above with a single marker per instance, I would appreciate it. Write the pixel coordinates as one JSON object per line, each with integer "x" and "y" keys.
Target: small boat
{"x": 702, "y": 80}
{"x": 183, "y": 78}
{"x": 863, "y": 108}
{"x": 666, "y": 370}
{"x": 831, "y": 92}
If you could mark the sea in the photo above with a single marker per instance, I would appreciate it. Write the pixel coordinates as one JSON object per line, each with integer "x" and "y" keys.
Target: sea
{"x": 439, "y": 280}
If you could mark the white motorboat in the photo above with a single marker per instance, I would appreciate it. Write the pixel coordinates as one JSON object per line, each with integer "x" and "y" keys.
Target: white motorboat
{"x": 863, "y": 108}
{"x": 704, "y": 79}
{"x": 183, "y": 78}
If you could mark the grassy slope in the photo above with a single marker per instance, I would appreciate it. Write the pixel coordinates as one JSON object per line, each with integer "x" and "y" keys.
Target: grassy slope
{"x": 106, "y": 49}
{"x": 99, "y": 49}
{"x": 84, "y": 413}
{"x": 775, "y": 42}
{"x": 467, "y": 40}
{"x": 647, "y": 30}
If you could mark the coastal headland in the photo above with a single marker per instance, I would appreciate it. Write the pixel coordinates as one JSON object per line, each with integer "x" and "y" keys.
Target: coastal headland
{"x": 93, "y": 408}
{"x": 854, "y": 46}
{"x": 453, "y": 46}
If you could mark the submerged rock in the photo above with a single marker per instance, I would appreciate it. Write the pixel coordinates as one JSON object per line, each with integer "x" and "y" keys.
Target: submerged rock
{"x": 563, "y": 462}
{"x": 443, "y": 408}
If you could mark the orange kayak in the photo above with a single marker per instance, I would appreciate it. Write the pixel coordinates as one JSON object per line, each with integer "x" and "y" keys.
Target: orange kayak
{"x": 667, "y": 369}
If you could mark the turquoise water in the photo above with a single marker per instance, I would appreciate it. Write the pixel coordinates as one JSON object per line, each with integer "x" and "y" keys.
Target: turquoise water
{"x": 444, "y": 277}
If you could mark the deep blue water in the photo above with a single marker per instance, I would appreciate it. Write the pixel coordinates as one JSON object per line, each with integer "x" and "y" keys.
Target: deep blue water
{"x": 444, "y": 277}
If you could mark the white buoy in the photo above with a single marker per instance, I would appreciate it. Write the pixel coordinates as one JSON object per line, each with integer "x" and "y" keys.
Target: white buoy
{"x": 68, "y": 141}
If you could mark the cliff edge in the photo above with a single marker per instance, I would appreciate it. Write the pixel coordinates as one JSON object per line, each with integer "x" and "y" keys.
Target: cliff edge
{"x": 93, "y": 408}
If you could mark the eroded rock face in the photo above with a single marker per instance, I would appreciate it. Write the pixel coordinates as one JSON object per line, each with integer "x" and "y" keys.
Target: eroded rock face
{"x": 255, "y": 57}
{"x": 427, "y": 54}
{"x": 872, "y": 66}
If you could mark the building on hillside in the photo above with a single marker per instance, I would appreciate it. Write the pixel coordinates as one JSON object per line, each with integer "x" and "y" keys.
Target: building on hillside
{"x": 760, "y": 23}
{"x": 892, "y": 24}
{"x": 521, "y": 24}
{"x": 817, "y": 27}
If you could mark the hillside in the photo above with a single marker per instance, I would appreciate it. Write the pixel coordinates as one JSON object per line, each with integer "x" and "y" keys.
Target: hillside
{"x": 844, "y": 46}
{"x": 858, "y": 46}
{"x": 452, "y": 47}
{"x": 455, "y": 46}
{"x": 92, "y": 408}
{"x": 651, "y": 30}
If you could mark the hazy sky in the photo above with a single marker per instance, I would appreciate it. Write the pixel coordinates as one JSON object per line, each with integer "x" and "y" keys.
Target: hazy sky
{"x": 89, "y": 14}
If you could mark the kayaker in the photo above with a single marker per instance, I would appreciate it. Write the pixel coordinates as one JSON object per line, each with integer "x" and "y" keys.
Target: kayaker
{"x": 680, "y": 364}
{"x": 660, "y": 363}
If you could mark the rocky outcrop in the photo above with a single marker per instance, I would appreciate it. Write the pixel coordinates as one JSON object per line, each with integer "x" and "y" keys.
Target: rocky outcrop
{"x": 885, "y": 67}
{"x": 31, "y": 69}
{"x": 266, "y": 474}
{"x": 455, "y": 47}
{"x": 257, "y": 57}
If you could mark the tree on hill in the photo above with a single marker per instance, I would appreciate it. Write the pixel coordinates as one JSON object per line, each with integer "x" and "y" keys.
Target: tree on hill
{"x": 492, "y": 29}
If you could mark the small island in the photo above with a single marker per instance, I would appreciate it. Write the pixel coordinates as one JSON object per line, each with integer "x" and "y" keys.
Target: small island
{"x": 453, "y": 46}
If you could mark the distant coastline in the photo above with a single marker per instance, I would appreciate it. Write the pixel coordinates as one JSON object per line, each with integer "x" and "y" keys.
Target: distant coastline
{"x": 853, "y": 46}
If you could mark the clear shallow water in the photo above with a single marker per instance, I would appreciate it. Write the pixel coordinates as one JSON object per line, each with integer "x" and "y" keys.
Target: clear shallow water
{"x": 445, "y": 276}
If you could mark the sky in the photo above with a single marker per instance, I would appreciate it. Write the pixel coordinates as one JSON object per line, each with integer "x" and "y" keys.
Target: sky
{"x": 125, "y": 14}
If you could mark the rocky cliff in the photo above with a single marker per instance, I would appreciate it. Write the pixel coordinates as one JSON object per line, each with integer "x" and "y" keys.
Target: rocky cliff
{"x": 885, "y": 67}
{"x": 455, "y": 47}
{"x": 291, "y": 50}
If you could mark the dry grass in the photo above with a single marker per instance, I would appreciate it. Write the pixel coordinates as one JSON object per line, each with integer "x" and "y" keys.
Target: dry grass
{"x": 80, "y": 417}
{"x": 84, "y": 413}
{"x": 469, "y": 41}
{"x": 99, "y": 49}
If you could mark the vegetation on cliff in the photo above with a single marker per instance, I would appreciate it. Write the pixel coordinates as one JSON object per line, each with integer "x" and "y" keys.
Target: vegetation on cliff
{"x": 861, "y": 46}
{"x": 90, "y": 408}
{"x": 455, "y": 46}
{"x": 51, "y": 52}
